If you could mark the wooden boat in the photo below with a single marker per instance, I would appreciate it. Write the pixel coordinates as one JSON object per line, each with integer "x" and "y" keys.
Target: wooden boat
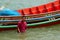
{"x": 44, "y": 18}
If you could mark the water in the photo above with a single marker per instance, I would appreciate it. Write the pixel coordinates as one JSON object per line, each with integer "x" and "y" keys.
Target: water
{"x": 21, "y": 4}
{"x": 47, "y": 33}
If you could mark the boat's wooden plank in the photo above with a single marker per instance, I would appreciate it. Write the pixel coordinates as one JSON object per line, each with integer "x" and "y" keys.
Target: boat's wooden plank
{"x": 34, "y": 24}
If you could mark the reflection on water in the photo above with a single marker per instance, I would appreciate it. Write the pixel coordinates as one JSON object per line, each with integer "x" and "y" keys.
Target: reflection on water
{"x": 22, "y": 36}
{"x": 48, "y": 33}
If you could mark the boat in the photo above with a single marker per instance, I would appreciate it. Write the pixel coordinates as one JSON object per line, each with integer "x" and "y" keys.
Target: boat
{"x": 35, "y": 17}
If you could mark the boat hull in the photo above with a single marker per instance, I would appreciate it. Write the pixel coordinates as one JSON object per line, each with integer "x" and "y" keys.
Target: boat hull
{"x": 38, "y": 26}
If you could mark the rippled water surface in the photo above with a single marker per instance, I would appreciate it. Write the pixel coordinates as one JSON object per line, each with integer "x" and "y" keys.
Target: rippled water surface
{"x": 48, "y": 33}
{"x": 21, "y": 4}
